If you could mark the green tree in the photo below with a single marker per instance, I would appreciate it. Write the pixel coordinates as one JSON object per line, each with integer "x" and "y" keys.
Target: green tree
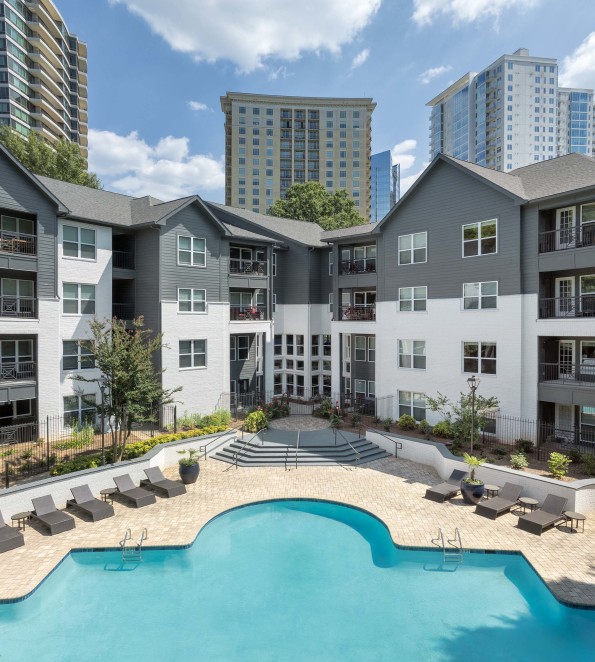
{"x": 63, "y": 161}
{"x": 311, "y": 202}
{"x": 133, "y": 388}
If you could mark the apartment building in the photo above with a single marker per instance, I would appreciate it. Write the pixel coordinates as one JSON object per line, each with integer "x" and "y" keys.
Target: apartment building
{"x": 511, "y": 114}
{"x": 43, "y": 73}
{"x": 273, "y": 142}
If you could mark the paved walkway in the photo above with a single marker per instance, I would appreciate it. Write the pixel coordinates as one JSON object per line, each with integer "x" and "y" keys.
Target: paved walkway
{"x": 391, "y": 488}
{"x": 296, "y": 422}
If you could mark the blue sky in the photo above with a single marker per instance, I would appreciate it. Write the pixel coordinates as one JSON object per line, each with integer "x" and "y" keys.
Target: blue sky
{"x": 157, "y": 69}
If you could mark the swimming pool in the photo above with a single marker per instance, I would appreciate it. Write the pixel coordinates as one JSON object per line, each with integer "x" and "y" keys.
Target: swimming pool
{"x": 294, "y": 580}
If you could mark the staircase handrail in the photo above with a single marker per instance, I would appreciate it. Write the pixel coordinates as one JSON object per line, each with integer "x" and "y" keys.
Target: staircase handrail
{"x": 241, "y": 448}
{"x": 203, "y": 448}
{"x": 357, "y": 453}
{"x": 297, "y": 446}
{"x": 398, "y": 444}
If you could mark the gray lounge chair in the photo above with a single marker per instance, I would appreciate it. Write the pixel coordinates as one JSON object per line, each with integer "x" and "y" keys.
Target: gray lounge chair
{"x": 506, "y": 499}
{"x": 137, "y": 496}
{"x": 88, "y": 504}
{"x": 9, "y": 538}
{"x": 158, "y": 482}
{"x": 451, "y": 487}
{"x": 550, "y": 513}
{"x": 49, "y": 516}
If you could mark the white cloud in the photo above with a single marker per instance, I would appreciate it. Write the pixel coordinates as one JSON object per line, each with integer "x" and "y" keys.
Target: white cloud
{"x": 400, "y": 153}
{"x": 407, "y": 182}
{"x": 279, "y": 72}
{"x": 465, "y": 11}
{"x": 429, "y": 74}
{"x": 249, "y": 33}
{"x": 578, "y": 69}
{"x": 198, "y": 105}
{"x": 167, "y": 171}
{"x": 360, "y": 58}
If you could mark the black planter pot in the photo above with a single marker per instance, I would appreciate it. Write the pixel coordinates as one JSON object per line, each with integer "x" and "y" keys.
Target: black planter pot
{"x": 189, "y": 473}
{"x": 472, "y": 494}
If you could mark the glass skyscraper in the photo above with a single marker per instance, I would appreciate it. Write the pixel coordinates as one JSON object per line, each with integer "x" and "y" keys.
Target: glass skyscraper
{"x": 384, "y": 190}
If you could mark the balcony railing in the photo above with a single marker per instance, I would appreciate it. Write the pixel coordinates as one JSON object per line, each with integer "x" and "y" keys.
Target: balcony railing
{"x": 363, "y": 266}
{"x": 567, "y": 307}
{"x": 358, "y": 313}
{"x": 123, "y": 311}
{"x": 567, "y": 238}
{"x": 254, "y": 267}
{"x": 123, "y": 259}
{"x": 22, "y": 244}
{"x": 247, "y": 313}
{"x": 571, "y": 374}
{"x": 18, "y": 307}
{"x": 21, "y": 370}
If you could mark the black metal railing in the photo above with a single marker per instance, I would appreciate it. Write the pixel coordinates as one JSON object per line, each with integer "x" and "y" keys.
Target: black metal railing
{"x": 18, "y": 306}
{"x": 567, "y": 238}
{"x": 123, "y": 259}
{"x": 573, "y": 374}
{"x": 16, "y": 371}
{"x": 254, "y": 267}
{"x": 363, "y": 266}
{"x": 358, "y": 313}
{"x": 247, "y": 313}
{"x": 15, "y": 242}
{"x": 564, "y": 307}
{"x": 123, "y": 311}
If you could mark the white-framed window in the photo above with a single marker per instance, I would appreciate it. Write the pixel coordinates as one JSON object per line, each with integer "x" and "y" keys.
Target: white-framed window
{"x": 192, "y": 251}
{"x": 330, "y": 263}
{"x": 326, "y": 345}
{"x": 330, "y": 302}
{"x": 413, "y": 299}
{"x": 17, "y": 297}
{"x": 277, "y": 383}
{"x": 480, "y": 238}
{"x": 289, "y": 344}
{"x": 480, "y": 296}
{"x": 412, "y": 403}
{"x": 278, "y": 345}
{"x": 232, "y": 348}
{"x": 315, "y": 347}
{"x": 413, "y": 248}
{"x": 78, "y": 299}
{"x": 77, "y": 355}
{"x": 191, "y": 300}
{"x": 80, "y": 410}
{"x": 360, "y": 348}
{"x": 371, "y": 349}
{"x": 274, "y": 302}
{"x": 78, "y": 242}
{"x": 192, "y": 354}
{"x": 243, "y": 348}
{"x": 16, "y": 359}
{"x": 360, "y": 387}
{"x": 412, "y": 354}
{"x": 299, "y": 345}
{"x": 233, "y": 388}
{"x": 274, "y": 264}
{"x": 371, "y": 389}
{"x": 479, "y": 357}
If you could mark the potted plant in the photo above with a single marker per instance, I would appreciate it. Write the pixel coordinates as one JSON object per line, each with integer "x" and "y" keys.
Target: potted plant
{"x": 188, "y": 466}
{"x": 472, "y": 488}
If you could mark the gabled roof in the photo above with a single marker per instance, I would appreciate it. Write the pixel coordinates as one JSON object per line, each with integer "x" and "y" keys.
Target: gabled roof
{"x": 506, "y": 182}
{"x": 563, "y": 174}
{"x": 355, "y": 231}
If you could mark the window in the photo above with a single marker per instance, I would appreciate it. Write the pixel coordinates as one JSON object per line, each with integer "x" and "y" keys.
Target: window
{"x": 79, "y": 410}
{"x": 479, "y": 357}
{"x": 278, "y": 345}
{"x": 77, "y": 356}
{"x": 371, "y": 389}
{"x": 274, "y": 302}
{"x": 413, "y": 298}
{"x": 299, "y": 345}
{"x": 412, "y": 354}
{"x": 78, "y": 299}
{"x": 232, "y": 348}
{"x": 372, "y": 349}
{"x": 360, "y": 348}
{"x": 192, "y": 301}
{"x": 78, "y": 242}
{"x": 315, "y": 345}
{"x": 16, "y": 359}
{"x": 243, "y": 348}
{"x": 192, "y": 354}
{"x": 192, "y": 251}
{"x": 413, "y": 248}
{"x": 479, "y": 238}
{"x": 274, "y": 264}
{"x": 330, "y": 263}
{"x": 289, "y": 344}
{"x": 330, "y": 302}
{"x": 326, "y": 345}
{"x": 480, "y": 295}
{"x": 360, "y": 388}
{"x": 413, "y": 404}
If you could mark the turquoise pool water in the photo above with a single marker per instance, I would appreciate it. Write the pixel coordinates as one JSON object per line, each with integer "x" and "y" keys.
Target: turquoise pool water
{"x": 294, "y": 580}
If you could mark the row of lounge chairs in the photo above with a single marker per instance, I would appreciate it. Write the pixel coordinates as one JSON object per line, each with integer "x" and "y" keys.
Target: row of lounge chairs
{"x": 550, "y": 513}
{"x": 56, "y": 521}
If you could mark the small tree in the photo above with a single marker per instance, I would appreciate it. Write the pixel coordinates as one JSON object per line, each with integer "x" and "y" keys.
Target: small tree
{"x": 125, "y": 359}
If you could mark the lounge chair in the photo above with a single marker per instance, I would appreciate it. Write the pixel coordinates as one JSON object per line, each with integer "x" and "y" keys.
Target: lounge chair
{"x": 137, "y": 496}
{"x": 88, "y": 504}
{"x": 49, "y": 516}
{"x": 9, "y": 538}
{"x": 550, "y": 513}
{"x": 451, "y": 487}
{"x": 159, "y": 483}
{"x": 506, "y": 499}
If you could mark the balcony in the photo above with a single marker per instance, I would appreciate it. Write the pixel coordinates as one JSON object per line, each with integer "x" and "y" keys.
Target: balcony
{"x": 17, "y": 243}
{"x": 24, "y": 307}
{"x": 123, "y": 259}
{"x": 567, "y": 307}
{"x": 568, "y": 374}
{"x": 123, "y": 311}
{"x": 19, "y": 371}
{"x": 252, "y": 267}
{"x": 564, "y": 239}
{"x": 362, "y": 266}
{"x": 365, "y": 313}
{"x": 247, "y": 313}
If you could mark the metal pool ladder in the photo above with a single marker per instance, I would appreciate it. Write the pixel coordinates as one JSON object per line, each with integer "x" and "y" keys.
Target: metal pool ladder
{"x": 452, "y": 548}
{"x": 132, "y": 551}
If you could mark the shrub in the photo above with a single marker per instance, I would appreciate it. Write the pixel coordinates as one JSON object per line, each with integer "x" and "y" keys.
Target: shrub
{"x": 575, "y": 455}
{"x": 356, "y": 419}
{"x": 79, "y": 438}
{"x": 407, "y": 422}
{"x": 326, "y": 408}
{"x": 256, "y": 421}
{"x": 558, "y": 464}
{"x": 386, "y": 423}
{"x": 499, "y": 452}
{"x": 588, "y": 462}
{"x": 335, "y": 418}
{"x": 518, "y": 461}
{"x": 195, "y": 420}
{"x": 276, "y": 408}
{"x": 78, "y": 464}
{"x": 425, "y": 428}
{"x": 443, "y": 429}
{"x": 525, "y": 445}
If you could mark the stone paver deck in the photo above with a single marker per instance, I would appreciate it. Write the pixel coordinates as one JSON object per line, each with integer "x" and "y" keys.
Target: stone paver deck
{"x": 297, "y": 422}
{"x": 392, "y": 489}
